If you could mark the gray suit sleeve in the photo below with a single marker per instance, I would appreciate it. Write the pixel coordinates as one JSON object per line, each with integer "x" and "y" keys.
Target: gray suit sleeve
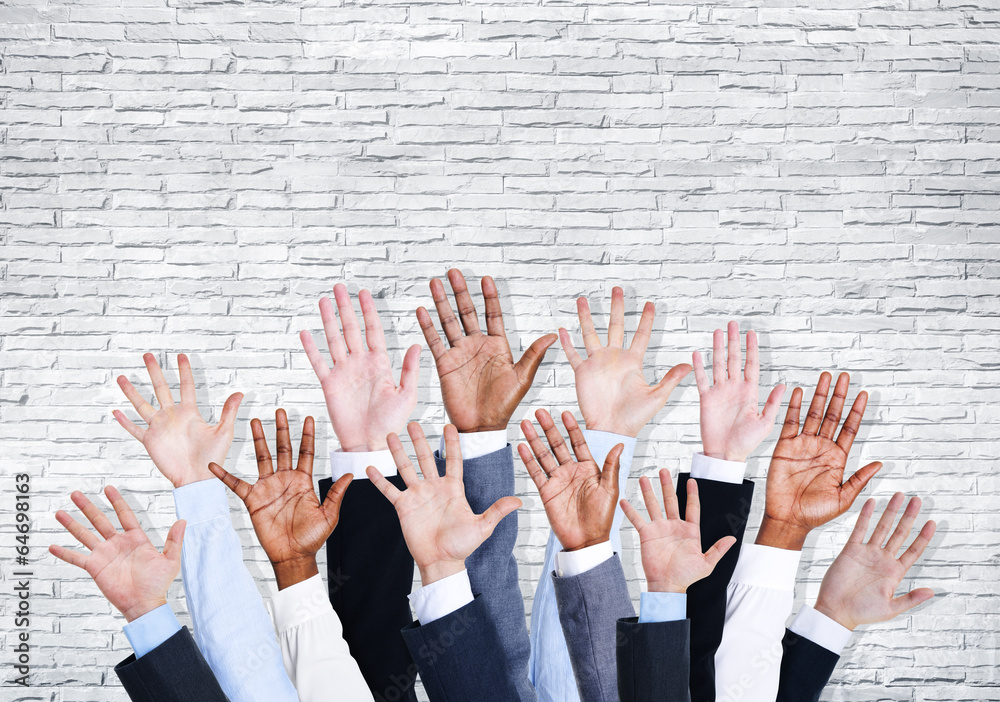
{"x": 653, "y": 661}
{"x": 590, "y": 604}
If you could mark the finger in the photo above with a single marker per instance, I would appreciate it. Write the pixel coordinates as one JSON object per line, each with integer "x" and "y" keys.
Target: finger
{"x": 898, "y": 605}
{"x": 616, "y": 327}
{"x": 864, "y": 519}
{"x": 552, "y": 435}
{"x": 916, "y": 549}
{"x": 718, "y": 356}
{"x": 494, "y": 312}
{"x": 315, "y": 357}
{"x": 335, "y": 498}
{"x": 463, "y": 300}
{"x": 644, "y": 332}
{"x": 425, "y": 457}
{"x": 173, "y": 546}
{"x": 241, "y": 488}
{"x": 577, "y": 439}
{"x": 431, "y": 335}
{"x": 853, "y": 487}
{"x": 307, "y": 447}
{"x": 545, "y": 459}
{"x": 718, "y": 550}
{"x": 453, "y": 453}
{"x": 752, "y": 371}
{"x": 188, "y": 391}
{"x": 227, "y": 420}
{"x": 403, "y": 466}
{"x": 853, "y": 422}
{"x": 410, "y": 374}
{"x": 70, "y": 556}
{"x": 496, "y": 512}
{"x": 814, "y": 416}
{"x": 902, "y": 530}
{"x": 331, "y": 329}
{"x": 591, "y": 341}
{"x": 886, "y": 520}
{"x": 81, "y": 533}
{"x": 374, "y": 334}
{"x": 348, "y": 319}
{"x": 649, "y": 499}
{"x": 535, "y": 471}
{"x": 160, "y": 387}
{"x": 612, "y": 465}
{"x": 532, "y": 358}
{"x": 692, "y": 513}
{"x": 734, "y": 361}
{"x": 670, "y": 507}
{"x": 261, "y": 452}
{"x": 128, "y": 425}
{"x": 283, "y": 440}
{"x": 773, "y": 404}
{"x": 572, "y": 355}
{"x": 144, "y": 409}
{"x": 790, "y": 429}
{"x": 384, "y": 486}
{"x": 632, "y": 514}
{"x": 93, "y": 514}
{"x": 670, "y": 381}
{"x": 700, "y": 376}
{"x": 449, "y": 323}
{"x": 831, "y": 420}
{"x": 126, "y": 517}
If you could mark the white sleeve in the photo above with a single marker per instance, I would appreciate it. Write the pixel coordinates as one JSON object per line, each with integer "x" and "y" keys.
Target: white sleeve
{"x": 477, "y": 443}
{"x": 316, "y": 657}
{"x": 820, "y": 629}
{"x": 758, "y": 602}
{"x": 442, "y": 597}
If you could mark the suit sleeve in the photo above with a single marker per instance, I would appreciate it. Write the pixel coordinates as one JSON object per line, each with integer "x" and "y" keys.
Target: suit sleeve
{"x": 456, "y": 656}
{"x": 590, "y": 605}
{"x": 369, "y": 575}
{"x": 174, "y": 671}
{"x": 725, "y": 508}
{"x": 653, "y": 661}
{"x": 806, "y": 668}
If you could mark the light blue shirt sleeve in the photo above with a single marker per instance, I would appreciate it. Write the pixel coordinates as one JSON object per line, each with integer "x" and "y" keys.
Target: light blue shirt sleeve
{"x": 549, "y": 667}
{"x": 231, "y": 625}
{"x": 151, "y": 629}
{"x": 662, "y": 607}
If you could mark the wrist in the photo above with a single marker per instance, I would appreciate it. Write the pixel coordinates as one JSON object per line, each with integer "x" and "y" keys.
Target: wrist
{"x": 135, "y": 611}
{"x": 665, "y": 586}
{"x": 368, "y": 447}
{"x": 610, "y": 427}
{"x": 439, "y": 570}
{"x": 780, "y": 534}
{"x": 834, "y": 613}
{"x": 571, "y": 545}
{"x": 293, "y": 571}
{"x": 726, "y": 455}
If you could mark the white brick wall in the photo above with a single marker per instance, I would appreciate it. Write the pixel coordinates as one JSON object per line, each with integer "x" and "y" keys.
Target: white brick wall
{"x": 192, "y": 176}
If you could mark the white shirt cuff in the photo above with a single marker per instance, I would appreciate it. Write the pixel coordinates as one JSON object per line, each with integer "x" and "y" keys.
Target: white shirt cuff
{"x": 442, "y": 597}
{"x": 706, "y": 468}
{"x": 662, "y": 607}
{"x": 767, "y": 566}
{"x": 300, "y": 602}
{"x": 201, "y": 501}
{"x": 151, "y": 629}
{"x": 478, "y": 443}
{"x": 356, "y": 462}
{"x": 820, "y": 629}
{"x": 571, "y": 563}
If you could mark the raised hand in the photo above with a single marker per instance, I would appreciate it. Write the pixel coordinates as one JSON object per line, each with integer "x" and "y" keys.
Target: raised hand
{"x": 480, "y": 383}
{"x": 579, "y": 497}
{"x": 362, "y": 398}
{"x": 127, "y": 568}
{"x": 289, "y": 520}
{"x": 860, "y": 585}
{"x": 610, "y": 386}
{"x": 671, "y": 547}
{"x": 805, "y": 482}
{"x": 179, "y": 441}
{"x": 731, "y": 426}
{"x": 439, "y": 526}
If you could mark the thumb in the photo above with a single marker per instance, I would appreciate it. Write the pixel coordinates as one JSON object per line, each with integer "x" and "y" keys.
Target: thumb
{"x": 671, "y": 380}
{"x": 498, "y": 510}
{"x": 898, "y": 605}
{"x": 532, "y": 358}
{"x": 721, "y": 547}
{"x": 228, "y": 417}
{"x": 612, "y": 464}
{"x": 175, "y": 538}
{"x": 334, "y": 498}
{"x": 853, "y": 487}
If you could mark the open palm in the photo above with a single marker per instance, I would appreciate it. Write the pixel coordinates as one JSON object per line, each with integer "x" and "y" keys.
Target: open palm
{"x": 362, "y": 398}
{"x": 126, "y": 567}
{"x": 611, "y": 387}
{"x": 579, "y": 497}
{"x": 178, "y": 440}
{"x": 481, "y": 385}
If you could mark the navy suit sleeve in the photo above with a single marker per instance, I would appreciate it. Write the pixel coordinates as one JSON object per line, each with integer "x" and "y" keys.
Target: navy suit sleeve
{"x": 174, "y": 671}
{"x": 725, "y": 508}
{"x": 653, "y": 661}
{"x": 369, "y": 573}
{"x": 806, "y": 668}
